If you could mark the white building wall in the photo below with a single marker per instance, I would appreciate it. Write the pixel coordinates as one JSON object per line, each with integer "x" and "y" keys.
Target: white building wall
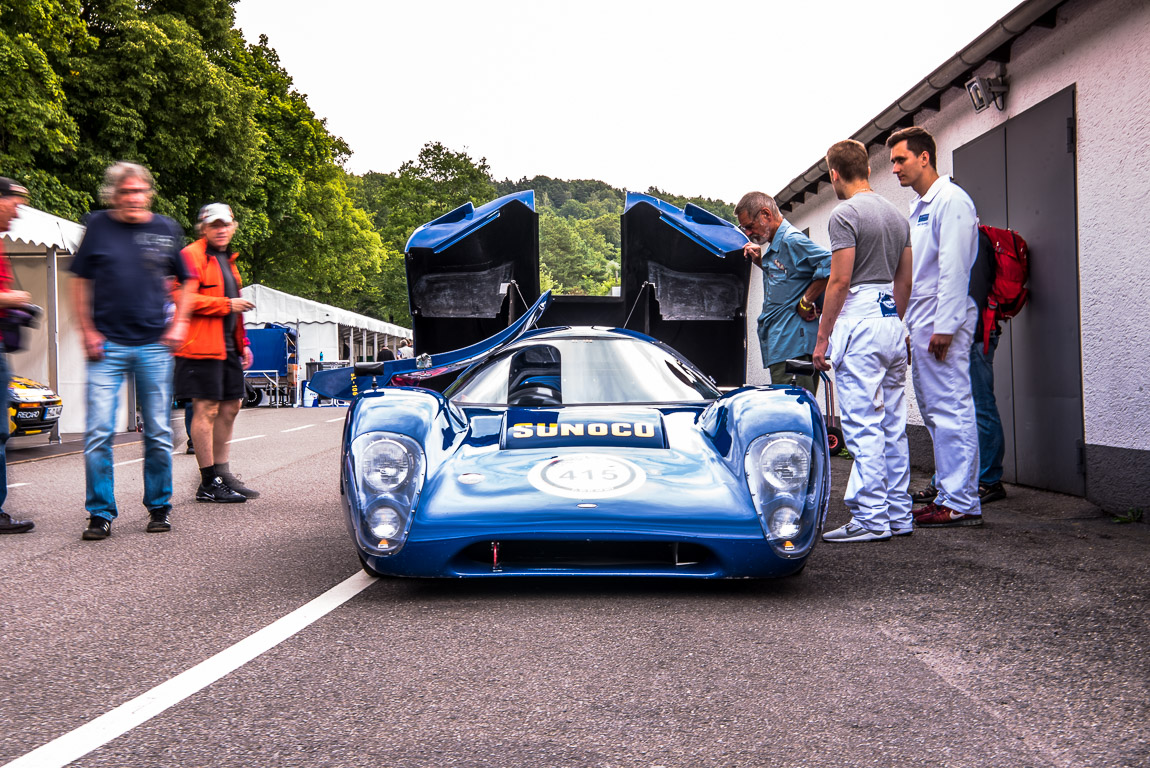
{"x": 1103, "y": 48}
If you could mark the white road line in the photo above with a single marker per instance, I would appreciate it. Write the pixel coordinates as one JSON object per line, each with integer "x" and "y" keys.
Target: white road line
{"x": 241, "y": 439}
{"x": 297, "y": 429}
{"x": 95, "y": 734}
{"x": 341, "y": 418}
{"x": 129, "y": 461}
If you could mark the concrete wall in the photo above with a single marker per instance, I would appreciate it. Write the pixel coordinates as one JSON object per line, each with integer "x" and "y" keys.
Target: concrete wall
{"x": 1103, "y": 48}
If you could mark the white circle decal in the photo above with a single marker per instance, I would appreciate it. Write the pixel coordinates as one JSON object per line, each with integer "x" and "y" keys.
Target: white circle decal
{"x": 587, "y": 476}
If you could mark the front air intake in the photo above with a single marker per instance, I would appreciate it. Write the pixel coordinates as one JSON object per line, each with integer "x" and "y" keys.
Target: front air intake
{"x": 546, "y": 554}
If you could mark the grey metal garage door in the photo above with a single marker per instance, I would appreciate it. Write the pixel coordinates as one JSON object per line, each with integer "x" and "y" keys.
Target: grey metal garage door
{"x": 1021, "y": 176}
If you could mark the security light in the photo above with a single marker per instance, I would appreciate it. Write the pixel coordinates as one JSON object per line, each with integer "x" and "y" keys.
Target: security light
{"x": 985, "y": 91}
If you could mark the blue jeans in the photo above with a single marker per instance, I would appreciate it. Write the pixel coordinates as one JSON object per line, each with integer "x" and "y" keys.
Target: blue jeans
{"x": 991, "y": 445}
{"x": 152, "y": 366}
{"x": 4, "y": 430}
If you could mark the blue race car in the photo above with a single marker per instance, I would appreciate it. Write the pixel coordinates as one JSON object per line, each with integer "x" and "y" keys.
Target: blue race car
{"x": 576, "y": 451}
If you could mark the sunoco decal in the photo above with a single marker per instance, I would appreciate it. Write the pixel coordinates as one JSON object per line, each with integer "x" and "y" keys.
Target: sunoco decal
{"x": 627, "y": 428}
{"x": 587, "y": 476}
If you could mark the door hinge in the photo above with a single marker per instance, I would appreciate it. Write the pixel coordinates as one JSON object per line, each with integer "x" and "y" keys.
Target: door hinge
{"x": 1070, "y": 143}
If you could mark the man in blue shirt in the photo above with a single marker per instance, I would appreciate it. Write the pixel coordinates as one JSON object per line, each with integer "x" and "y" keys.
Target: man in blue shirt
{"x": 123, "y": 269}
{"x": 795, "y": 272}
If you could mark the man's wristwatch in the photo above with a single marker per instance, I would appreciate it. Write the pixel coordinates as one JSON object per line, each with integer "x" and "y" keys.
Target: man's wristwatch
{"x": 804, "y": 306}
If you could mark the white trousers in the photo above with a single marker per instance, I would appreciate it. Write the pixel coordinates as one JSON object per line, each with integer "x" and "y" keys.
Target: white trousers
{"x": 869, "y": 358}
{"x": 947, "y": 406}
{"x": 868, "y": 353}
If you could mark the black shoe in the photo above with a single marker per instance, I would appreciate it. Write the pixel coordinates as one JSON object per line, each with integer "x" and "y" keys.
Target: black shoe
{"x": 925, "y": 496}
{"x": 158, "y": 521}
{"x": 992, "y": 492}
{"x": 218, "y": 492}
{"x": 8, "y": 525}
{"x": 237, "y": 485}
{"x": 98, "y": 528}
{"x": 191, "y": 448}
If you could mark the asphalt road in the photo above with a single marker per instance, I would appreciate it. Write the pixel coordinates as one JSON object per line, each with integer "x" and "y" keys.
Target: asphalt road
{"x": 1022, "y": 643}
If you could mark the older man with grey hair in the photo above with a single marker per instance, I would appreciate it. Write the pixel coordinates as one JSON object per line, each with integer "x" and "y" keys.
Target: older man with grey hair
{"x": 795, "y": 272}
{"x": 122, "y": 273}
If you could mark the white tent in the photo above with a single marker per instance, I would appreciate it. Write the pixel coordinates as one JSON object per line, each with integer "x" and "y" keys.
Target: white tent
{"x": 39, "y": 245}
{"x": 326, "y": 333}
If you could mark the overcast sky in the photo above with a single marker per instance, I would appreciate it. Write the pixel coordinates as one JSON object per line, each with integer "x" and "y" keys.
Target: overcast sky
{"x": 709, "y": 98}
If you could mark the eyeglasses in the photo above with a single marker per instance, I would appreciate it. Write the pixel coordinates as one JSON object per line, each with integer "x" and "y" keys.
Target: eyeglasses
{"x": 749, "y": 226}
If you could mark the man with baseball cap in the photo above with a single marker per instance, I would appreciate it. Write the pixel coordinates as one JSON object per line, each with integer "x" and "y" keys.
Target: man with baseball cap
{"x": 210, "y": 365}
{"x": 12, "y": 196}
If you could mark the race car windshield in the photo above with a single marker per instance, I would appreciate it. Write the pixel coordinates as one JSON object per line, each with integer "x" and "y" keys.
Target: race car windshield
{"x": 582, "y": 371}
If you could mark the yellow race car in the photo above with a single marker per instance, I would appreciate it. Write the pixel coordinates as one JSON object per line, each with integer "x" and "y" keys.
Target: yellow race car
{"x": 32, "y": 407}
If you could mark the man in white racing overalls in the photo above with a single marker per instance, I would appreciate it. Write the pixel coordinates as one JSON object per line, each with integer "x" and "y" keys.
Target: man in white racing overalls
{"x": 862, "y": 336}
{"x": 941, "y": 317}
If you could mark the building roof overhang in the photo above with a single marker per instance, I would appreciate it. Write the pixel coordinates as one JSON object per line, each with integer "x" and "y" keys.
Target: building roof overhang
{"x": 992, "y": 45}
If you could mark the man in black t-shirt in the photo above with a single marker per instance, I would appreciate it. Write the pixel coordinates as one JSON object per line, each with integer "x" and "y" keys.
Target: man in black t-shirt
{"x": 121, "y": 296}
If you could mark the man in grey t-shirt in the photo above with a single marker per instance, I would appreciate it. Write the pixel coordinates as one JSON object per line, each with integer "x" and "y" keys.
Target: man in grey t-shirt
{"x": 861, "y": 335}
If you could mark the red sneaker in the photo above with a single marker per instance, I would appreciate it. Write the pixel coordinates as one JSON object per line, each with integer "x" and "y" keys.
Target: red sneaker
{"x": 922, "y": 512}
{"x": 936, "y": 516}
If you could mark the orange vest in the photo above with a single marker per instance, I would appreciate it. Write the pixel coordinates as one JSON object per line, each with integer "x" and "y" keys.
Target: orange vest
{"x": 209, "y": 305}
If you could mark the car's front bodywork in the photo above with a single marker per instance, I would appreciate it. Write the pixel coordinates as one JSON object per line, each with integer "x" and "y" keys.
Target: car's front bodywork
{"x": 33, "y": 408}
{"x": 577, "y": 451}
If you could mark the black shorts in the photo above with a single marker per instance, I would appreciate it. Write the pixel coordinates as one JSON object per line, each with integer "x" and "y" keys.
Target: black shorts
{"x": 217, "y": 380}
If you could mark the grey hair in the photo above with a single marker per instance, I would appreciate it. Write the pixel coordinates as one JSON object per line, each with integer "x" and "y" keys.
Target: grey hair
{"x": 753, "y": 202}
{"x": 115, "y": 175}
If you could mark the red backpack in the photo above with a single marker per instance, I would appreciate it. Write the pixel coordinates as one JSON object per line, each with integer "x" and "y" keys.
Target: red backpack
{"x": 998, "y": 279}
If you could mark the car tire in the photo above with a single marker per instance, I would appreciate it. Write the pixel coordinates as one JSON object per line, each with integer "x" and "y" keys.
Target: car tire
{"x": 371, "y": 571}
{"x": 797, "y": 573}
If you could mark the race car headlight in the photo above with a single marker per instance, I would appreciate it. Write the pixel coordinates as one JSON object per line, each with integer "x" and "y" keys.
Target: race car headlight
{"x": 778, "y": 469}
{"x": 783, "y": 523}
{"x": 385, "y": 522}
{"x": 388, "y": 474}
{"x": 785, "y": 464}
{"x": 386, "y": 464}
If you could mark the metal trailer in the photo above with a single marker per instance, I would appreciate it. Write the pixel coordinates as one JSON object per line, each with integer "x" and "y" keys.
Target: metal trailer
{"x": 272, "y": 377}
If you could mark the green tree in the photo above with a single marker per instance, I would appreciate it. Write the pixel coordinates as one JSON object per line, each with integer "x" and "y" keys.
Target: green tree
{"x": 720, "y": 208}
{"x": 149, "y": 93}
{"x": 304, "y": 233}
{"x": 38, "y": 41}
{"x": 573, "y": 264}
{"x": 172, "y": 85}
{"x": 437, "y": 181}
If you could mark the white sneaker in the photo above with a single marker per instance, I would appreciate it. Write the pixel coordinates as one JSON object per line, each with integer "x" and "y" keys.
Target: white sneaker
{"x": 907, "y": 531}
{"x": 852, "y": 531}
